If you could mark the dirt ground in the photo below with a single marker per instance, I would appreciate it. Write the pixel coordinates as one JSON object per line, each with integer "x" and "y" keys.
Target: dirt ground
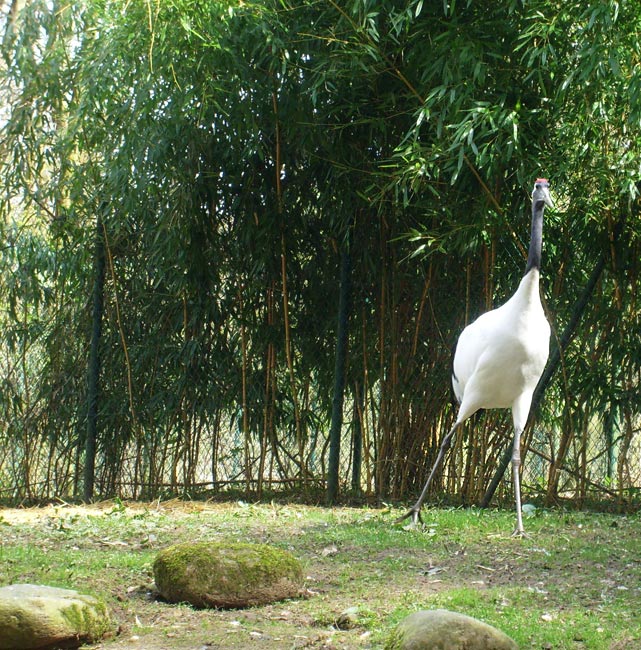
{"x": 342, "y": 570}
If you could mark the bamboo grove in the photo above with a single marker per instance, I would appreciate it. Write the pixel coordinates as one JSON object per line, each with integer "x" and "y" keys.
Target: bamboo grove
{"x": 240, "y": 238}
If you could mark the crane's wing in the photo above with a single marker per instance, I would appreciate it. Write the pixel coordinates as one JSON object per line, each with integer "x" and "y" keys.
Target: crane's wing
{"x": 472, "y": 342}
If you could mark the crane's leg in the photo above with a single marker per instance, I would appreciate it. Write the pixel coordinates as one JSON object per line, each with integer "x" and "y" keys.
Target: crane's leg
{"x": 516, "y": 466}
{"x": 415, "y": 511}
{"x": 520, "y": 410}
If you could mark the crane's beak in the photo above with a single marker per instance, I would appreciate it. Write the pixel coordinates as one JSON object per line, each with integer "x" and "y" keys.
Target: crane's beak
{"x": 547, "y": 199}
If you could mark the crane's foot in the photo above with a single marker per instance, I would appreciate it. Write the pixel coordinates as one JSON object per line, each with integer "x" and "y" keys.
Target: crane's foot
{"x": 521, "y": 534}
{"x": 414, "y": 513}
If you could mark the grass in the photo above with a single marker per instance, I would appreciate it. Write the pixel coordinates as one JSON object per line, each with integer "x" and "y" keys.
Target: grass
{"x": 574, "y": 583}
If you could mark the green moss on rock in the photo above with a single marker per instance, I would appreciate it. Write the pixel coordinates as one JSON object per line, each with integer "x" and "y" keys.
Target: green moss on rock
{"x": 226, "y": 574}
{"x": 93, "y": 621}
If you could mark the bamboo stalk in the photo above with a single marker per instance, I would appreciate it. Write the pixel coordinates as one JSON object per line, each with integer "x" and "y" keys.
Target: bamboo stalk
{"x": 268, "y": 408}
{"x": 623, "y": 467}
{"x": 288, "y": 342}
{"x": 367, "y": 448}
{"x": 243, "y": 348}
{"x": 419, "y": 314}
{"x": 381, "y": 433}
{"x": 121, "y": 331}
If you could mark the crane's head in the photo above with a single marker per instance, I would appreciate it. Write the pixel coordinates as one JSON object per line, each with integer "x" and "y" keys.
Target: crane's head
{"x": 541, "y": 192}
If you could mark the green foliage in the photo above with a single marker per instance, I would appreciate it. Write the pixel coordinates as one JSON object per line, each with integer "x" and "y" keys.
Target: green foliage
{"x": 229, "y": 149}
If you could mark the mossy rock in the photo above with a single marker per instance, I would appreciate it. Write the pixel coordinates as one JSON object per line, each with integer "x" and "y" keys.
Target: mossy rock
{"x": 35, "y": 616}
{"x": 440, "y": 629}
{"x": 226, "y": 575}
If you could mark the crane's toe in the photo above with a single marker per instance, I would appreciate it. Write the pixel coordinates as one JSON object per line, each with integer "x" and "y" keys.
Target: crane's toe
{"x": 414, "y": 514}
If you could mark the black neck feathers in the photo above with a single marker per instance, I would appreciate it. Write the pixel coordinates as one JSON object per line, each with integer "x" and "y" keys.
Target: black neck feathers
{"x": 536, "y": 236}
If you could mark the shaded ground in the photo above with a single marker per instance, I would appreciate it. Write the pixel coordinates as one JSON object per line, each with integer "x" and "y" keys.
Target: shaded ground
{"x": 576, "y": 583}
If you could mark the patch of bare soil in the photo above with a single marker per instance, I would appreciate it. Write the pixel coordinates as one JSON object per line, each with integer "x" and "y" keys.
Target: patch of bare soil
{"x": 342, "y": 571}
{"x": 145, "y": 622}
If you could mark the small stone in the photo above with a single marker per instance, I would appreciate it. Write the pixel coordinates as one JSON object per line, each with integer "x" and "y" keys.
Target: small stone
{"x": 37, "y": 616}
{"x": 347, "y": 619}
{"x": 439, "y": 628}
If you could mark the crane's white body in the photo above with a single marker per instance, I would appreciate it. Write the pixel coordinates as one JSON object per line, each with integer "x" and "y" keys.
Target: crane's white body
{"x": 500, "y": 357}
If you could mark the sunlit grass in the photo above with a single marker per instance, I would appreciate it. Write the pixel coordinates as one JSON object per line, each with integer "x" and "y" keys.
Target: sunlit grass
{"x": 574, "y": 583}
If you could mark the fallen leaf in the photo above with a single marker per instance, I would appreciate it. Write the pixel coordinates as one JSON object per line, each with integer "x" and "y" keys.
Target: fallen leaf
{"x": 328, "y": 551}
{"x": 432, "y": 571}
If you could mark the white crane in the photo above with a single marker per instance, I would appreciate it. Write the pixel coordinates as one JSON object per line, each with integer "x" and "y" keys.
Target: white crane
{"x": 500, "y": 357}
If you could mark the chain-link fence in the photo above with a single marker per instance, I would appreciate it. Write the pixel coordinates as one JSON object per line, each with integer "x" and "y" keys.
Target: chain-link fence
{"x": 599, "y": 466}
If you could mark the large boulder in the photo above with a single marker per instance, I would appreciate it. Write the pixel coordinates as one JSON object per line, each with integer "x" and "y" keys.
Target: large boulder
{"x": 229, "y": 575}
{"x": 440, "y": 629}
{"x": 36, "y": 616}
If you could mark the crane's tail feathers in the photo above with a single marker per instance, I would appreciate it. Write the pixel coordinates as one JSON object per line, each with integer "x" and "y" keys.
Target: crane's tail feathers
{"x": 456, "y": 387}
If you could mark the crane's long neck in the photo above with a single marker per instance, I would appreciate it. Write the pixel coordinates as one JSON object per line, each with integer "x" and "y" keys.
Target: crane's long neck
{"x": 536, "y": 237}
